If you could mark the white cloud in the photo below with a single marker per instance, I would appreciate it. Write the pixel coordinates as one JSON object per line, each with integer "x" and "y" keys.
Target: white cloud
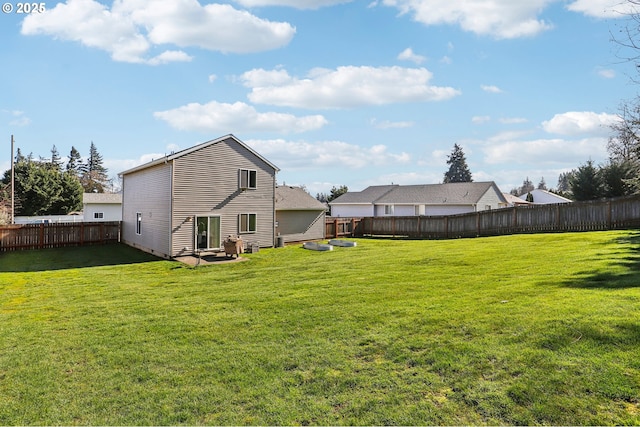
{"x": 409, "y": 55}
{"x": 606, "y": 73}
{"x": 512, "y": 120}
{"x": 18, "y": 118}
{"x": 580, "y": 122}
{"x": 386, "y": 124}
{"x": 116, "y": 166}
{"x": 292, "y": 155}
{"x": 212, "y": 78}
{"x": 505, "y": 19}
{"x": 170, "y": 56}
{"x": 132, "y": 28}
{"x": 545, "y": 151}
{"x": 344, "y": 87}
{"x": 491, "y": 89}
{"x": 215, "y": 116}
{"x": 603, "y": 8}
{"x": 478, "y": 120}
{"x": 298, "y": 4}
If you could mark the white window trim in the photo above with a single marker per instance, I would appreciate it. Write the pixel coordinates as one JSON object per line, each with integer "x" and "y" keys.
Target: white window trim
{"x": 240, "y": 223}
{"x": 244, "y": 179}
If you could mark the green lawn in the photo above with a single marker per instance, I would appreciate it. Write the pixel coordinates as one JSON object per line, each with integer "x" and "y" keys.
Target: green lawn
{"x": 527, "y": 329}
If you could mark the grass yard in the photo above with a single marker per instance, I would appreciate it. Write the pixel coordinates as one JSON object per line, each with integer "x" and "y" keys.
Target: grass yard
{"x": 526, "y": 329}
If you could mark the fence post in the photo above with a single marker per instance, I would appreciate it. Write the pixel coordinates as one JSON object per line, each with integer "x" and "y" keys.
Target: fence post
{"x": 41, "y": 236}
{"x": 446, "y": 227}
{"x": 353, "y": 227}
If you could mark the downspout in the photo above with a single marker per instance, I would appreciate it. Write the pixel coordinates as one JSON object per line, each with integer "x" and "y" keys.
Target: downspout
{"x": 171, "y": 166}
{"x": 273, "y": 204}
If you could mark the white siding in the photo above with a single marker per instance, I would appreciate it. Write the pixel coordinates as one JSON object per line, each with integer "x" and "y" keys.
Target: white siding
{"x": 489, "y": 200}
{"x": 110, "y": 211}
{"x": 206, "y": 182}
{"x": 351, "y": 211}
{"x": 404, "y": 210}
{"x": 148, "y": 191}
{"x": 441, "y": 210}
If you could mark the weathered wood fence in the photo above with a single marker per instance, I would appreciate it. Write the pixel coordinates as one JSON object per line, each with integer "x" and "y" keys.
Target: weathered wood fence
{"x": 610, "y": 214}
{"x": 40, "y": 236}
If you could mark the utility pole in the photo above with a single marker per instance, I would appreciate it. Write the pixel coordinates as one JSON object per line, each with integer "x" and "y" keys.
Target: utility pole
{"x": 13, "y": 188}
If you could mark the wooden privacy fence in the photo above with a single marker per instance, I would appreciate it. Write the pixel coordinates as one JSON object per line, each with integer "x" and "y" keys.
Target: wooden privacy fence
{"x": 595, "y": 215}
{"x": 340, "y": 227}
{"x": 40, "y": 236}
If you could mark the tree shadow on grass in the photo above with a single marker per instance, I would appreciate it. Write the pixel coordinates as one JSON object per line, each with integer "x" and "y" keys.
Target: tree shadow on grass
{"x": 629, "y": 259}
{"x": 72, "y": 257}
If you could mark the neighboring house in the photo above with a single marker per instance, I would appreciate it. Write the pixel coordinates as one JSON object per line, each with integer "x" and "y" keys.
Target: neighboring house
{"x": 299, "y": 216}
{"x": 99, "y": 207}
{"x": 413, "y": 200}
{"x": 514, "y": 200}
{"x": 544, "y": 197}
{"x": 192, "y": 200}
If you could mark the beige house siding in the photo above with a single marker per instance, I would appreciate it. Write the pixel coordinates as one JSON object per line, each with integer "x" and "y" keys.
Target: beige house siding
{"x": 206, "y": 183}
{"x": 148, "y": 191}
{"x": 299, "y": 225}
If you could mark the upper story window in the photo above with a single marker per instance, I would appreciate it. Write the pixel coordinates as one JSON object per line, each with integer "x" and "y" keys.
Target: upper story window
{"x": 248, "y": 178}
{"x": 98, "y": 215}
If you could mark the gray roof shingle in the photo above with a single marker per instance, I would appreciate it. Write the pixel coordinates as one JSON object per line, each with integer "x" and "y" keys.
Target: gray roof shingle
{"x": 462, "y": 193}
{"x": 295, "y": 198}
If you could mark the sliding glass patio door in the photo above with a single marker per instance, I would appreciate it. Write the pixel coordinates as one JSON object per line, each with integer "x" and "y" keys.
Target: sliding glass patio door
{"x": 207, "y": 232}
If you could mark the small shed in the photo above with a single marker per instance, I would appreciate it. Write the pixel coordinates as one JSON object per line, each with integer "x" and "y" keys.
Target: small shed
{"x": 299, "y": 216}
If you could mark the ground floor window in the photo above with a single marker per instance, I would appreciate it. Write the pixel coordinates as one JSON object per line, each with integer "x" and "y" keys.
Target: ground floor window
{"x": 388, "y": 209}
{"x": 98, "y": 215}
{"x": 247, "y": 223}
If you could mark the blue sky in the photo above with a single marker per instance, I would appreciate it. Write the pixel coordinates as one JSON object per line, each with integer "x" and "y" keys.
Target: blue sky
{"x": 332, "y": 91}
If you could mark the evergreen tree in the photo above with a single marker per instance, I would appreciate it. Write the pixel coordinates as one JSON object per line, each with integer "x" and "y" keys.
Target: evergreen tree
{"x": 43, "y": 190}
{"x": 337, "y": 192}
{"x": 74, "y": 164}
{"x": 542, "y": 185}
{"x": 19, "y": 156}
{"x": 586, "y": 183}
{"x": 527, "y": 186}
{"x": 458, "y": 169}
{"x": 529, "y": 197}
{"x": 56, "y": 161}
{"x": 322, "y": 197}
{"x": 564, "y": 188}
{"x": 94, "y": 177}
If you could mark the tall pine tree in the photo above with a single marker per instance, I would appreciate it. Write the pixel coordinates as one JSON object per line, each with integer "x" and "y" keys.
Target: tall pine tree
{"x": 74, "y": 165}
{"x": 94, "y": 175}
{"x": 458, "y": 169}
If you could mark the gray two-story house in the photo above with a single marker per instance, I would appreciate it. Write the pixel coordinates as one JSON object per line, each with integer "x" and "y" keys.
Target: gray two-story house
{"x": 192, "y": 200}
